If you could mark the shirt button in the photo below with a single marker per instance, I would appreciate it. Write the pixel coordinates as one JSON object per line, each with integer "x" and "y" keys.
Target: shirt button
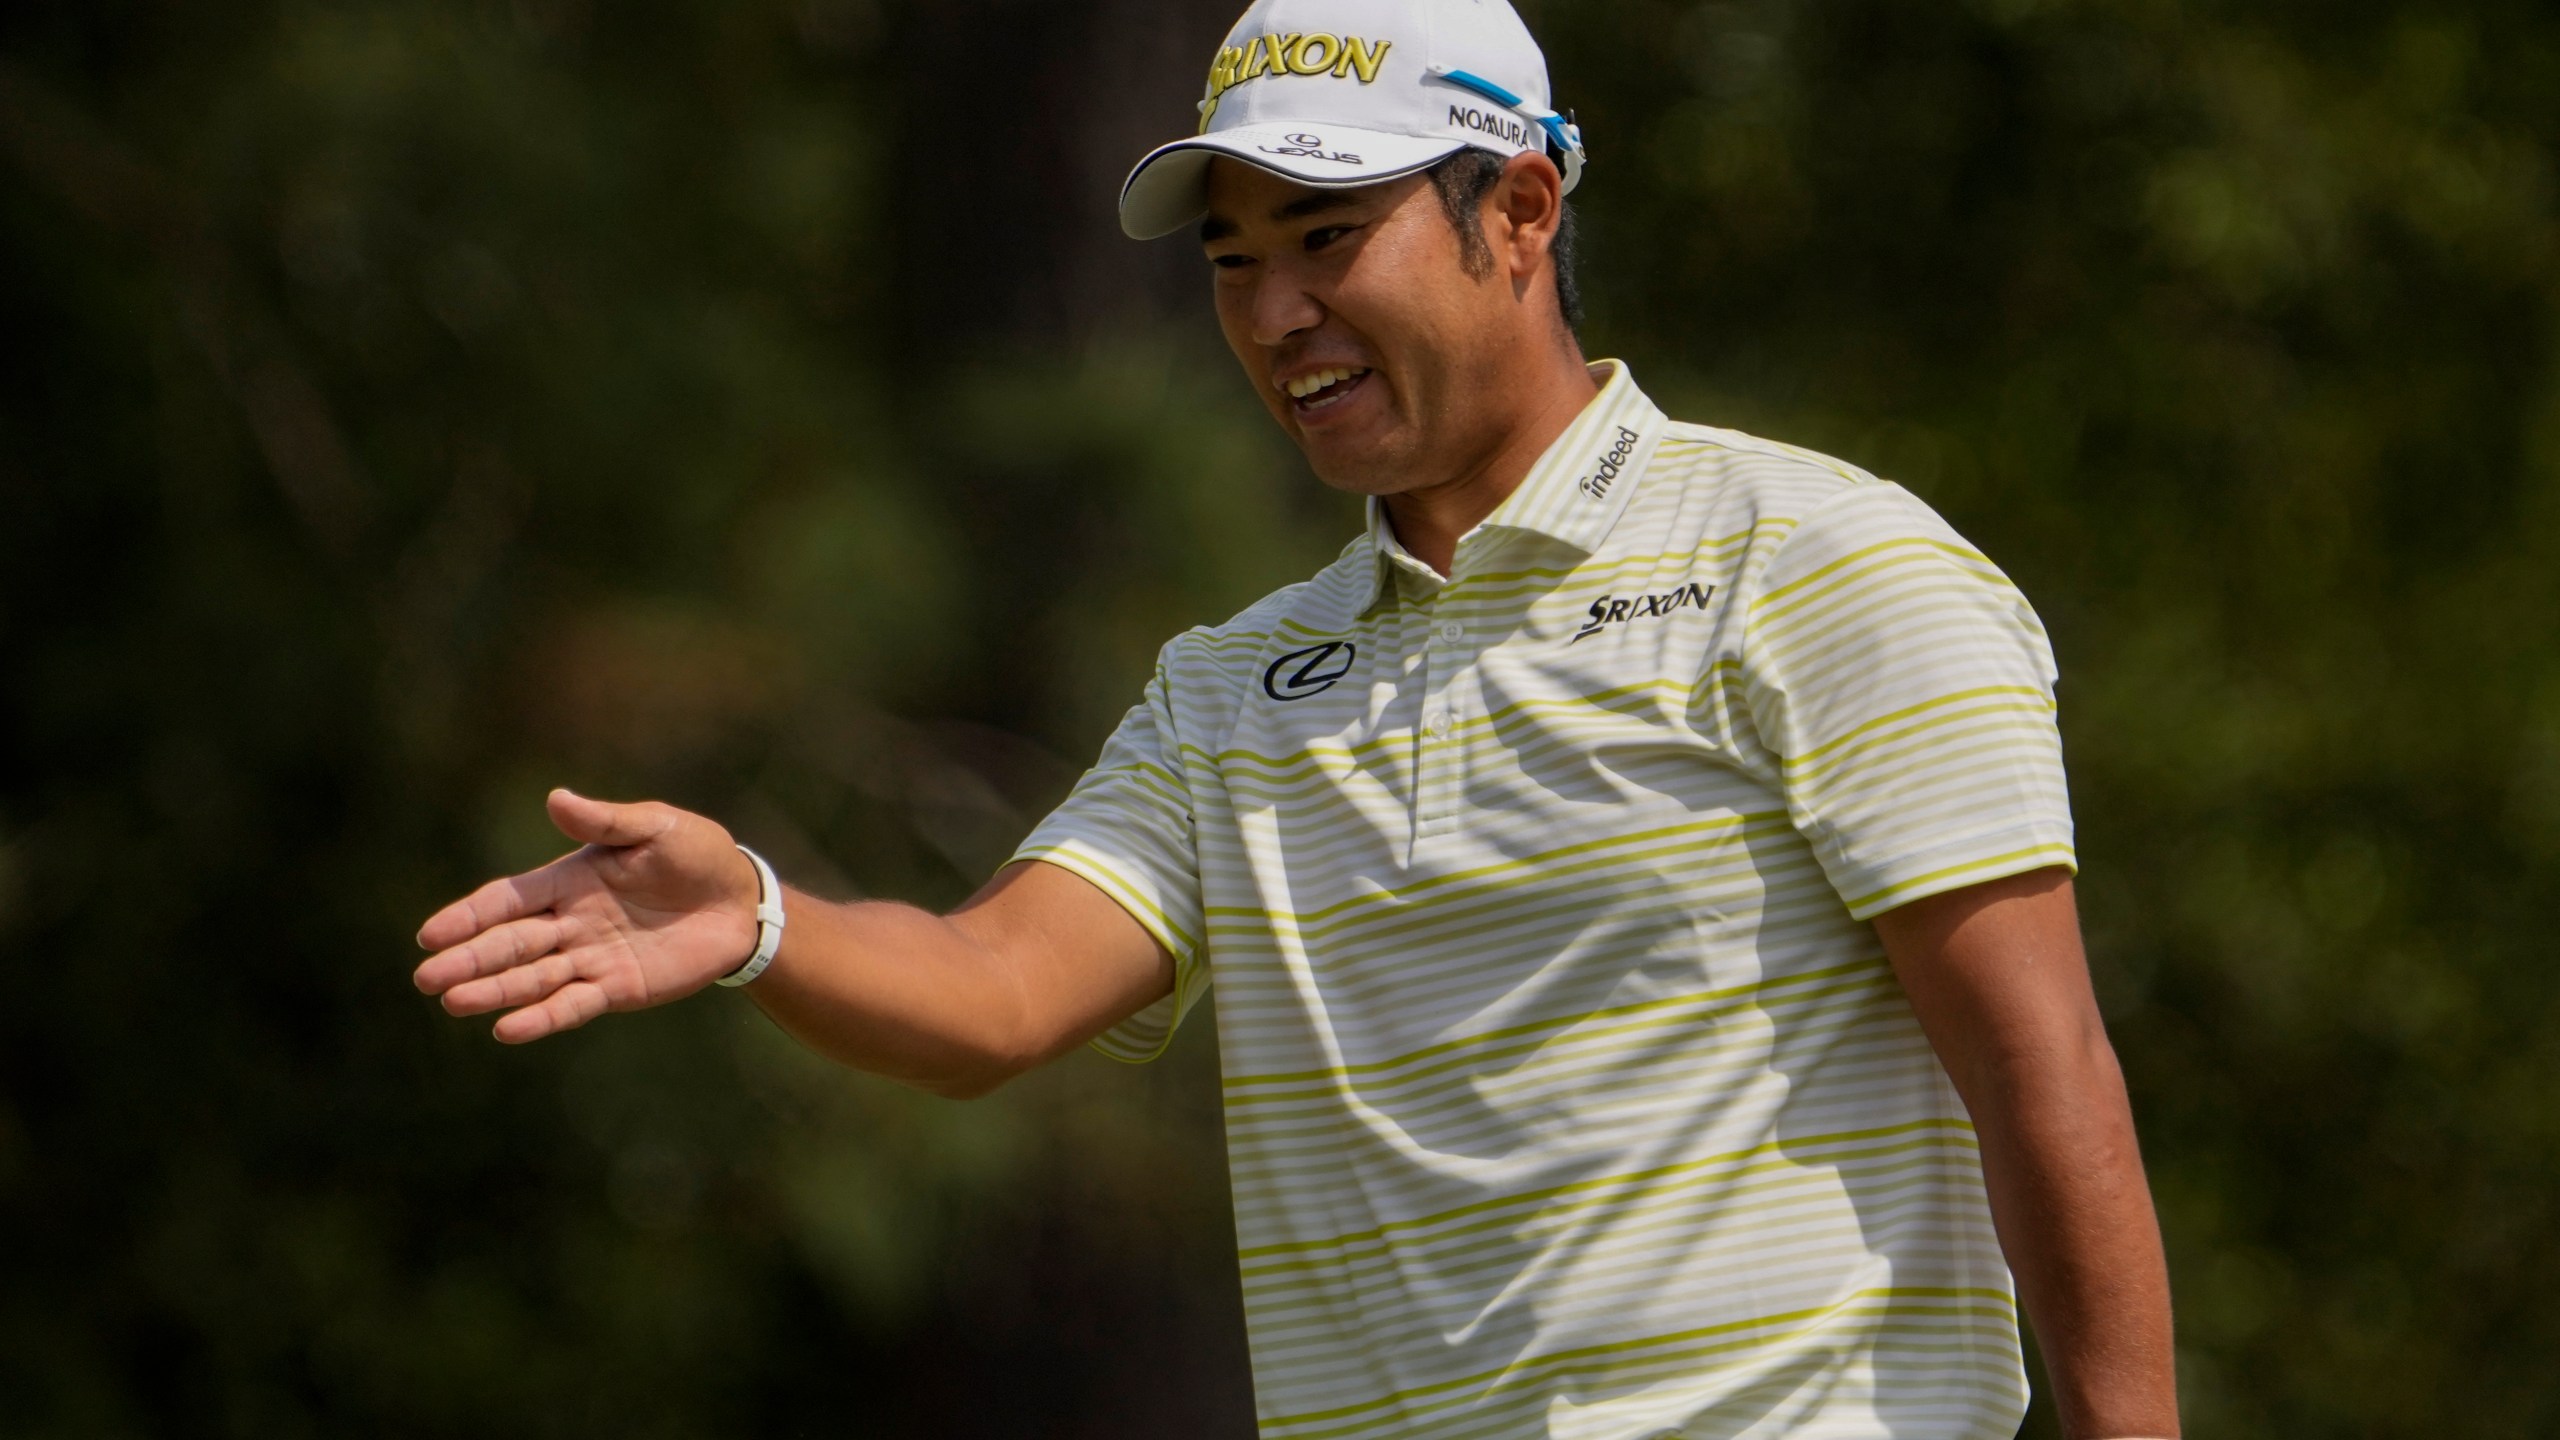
{"x": 1453, "y": 632}
{"x": 1438, "y": 725}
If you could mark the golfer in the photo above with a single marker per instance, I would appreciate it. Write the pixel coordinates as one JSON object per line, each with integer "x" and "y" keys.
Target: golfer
{"x": 1636, "y": 873}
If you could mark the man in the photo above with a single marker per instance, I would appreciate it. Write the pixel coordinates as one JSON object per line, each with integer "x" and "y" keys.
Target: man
{"x": 1636, "y": 873}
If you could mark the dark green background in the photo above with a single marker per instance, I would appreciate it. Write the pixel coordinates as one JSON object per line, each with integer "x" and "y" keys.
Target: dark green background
{"x": 408, "y": 406}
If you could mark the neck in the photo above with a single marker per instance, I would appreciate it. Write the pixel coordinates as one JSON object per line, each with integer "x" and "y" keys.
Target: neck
{"x": 1429, "y": 520}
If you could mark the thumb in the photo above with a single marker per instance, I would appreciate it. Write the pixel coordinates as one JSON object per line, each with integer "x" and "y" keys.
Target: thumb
{"x": 601, "y": 822}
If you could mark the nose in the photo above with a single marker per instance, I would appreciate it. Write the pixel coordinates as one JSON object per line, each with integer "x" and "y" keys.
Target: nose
{"x": 1282, "y": 307}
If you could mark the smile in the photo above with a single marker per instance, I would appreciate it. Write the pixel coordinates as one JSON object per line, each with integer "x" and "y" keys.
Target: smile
{"x": 1322, "y": 388}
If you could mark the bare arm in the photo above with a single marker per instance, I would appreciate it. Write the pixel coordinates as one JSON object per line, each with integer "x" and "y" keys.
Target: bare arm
{"x": 658, "y": 904}
{"x": 1997, "y": 977}
{"x": 1032, "y": 966}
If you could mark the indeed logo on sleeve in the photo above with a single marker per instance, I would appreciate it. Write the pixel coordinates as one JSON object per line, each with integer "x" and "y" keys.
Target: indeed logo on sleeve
{"x": 1597, "y": 483}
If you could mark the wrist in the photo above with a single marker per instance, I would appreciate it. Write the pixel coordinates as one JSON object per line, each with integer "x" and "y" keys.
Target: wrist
{"x": 769, "y": 921}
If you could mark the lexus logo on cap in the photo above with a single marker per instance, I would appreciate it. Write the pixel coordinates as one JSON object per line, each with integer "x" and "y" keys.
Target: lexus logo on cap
{"x": 1310, "y": 147}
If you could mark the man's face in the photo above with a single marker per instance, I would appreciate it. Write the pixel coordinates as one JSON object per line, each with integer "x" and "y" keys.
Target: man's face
{"x": 1363, "y": 292}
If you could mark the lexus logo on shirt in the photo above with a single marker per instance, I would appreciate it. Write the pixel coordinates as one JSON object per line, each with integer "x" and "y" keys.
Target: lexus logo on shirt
{"x": 1311, "y": 671}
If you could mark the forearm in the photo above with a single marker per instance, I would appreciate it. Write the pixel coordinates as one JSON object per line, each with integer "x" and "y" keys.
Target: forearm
{"x": 2074, "y": 1214}
{"x": 1997, "y": 978}
{"x": 1034, "y": 965}
{"x": 899, "y": 992}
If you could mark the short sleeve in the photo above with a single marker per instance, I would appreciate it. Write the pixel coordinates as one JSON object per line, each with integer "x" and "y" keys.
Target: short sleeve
{"x": 1127, "y": 827}
{"x": 1906, "y": 691}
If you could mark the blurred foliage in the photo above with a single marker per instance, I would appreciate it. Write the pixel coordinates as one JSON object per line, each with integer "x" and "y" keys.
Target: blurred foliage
{"x": 412, "y": 405}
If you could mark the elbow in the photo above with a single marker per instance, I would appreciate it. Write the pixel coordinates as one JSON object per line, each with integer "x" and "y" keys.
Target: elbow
{"x": 975, "y": 1082}
{"x": 953, "y": 1066}
{"x": 1007, "y": 1031}
{"x": 2074, "y": 1061}
{"x": 983, "y": 1065}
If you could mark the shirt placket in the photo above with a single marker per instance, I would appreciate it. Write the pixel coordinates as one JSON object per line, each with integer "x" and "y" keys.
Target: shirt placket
{"x": 1440, "y": 769}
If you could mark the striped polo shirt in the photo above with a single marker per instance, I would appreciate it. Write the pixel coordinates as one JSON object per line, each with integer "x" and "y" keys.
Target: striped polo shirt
{"x": 1567, "y": 1093}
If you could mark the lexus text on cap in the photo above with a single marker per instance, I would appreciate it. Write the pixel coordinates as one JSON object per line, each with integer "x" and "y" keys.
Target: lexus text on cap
{"x": 1337, "y": 93}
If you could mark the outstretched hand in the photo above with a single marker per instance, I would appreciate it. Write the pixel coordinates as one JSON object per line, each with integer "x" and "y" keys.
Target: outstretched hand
{"x": 656, "y": 904}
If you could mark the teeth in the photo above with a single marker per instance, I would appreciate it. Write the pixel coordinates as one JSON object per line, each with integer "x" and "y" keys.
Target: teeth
{"x": 1306, "y": 385}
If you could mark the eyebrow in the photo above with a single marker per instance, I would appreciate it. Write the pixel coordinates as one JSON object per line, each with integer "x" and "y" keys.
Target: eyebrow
{"x": 1218, "y": 227}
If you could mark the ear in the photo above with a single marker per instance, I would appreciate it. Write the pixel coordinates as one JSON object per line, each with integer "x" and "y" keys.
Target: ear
{"x": 1522, "y": 214}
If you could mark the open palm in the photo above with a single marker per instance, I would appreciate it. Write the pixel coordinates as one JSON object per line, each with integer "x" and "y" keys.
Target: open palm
{"x": 656, "y": 904}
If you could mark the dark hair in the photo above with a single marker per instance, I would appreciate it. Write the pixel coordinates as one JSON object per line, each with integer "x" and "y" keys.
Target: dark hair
{"x": 1463, "y": 180}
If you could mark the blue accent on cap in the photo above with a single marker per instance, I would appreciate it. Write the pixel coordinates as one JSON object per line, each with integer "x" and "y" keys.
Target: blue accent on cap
{"x": 1483, "y": 87}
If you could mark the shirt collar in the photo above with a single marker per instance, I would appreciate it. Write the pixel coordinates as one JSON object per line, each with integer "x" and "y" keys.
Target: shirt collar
{"x": 1576, "y": 491}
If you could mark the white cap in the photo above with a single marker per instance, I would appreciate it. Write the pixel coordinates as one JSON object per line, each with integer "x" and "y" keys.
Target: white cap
{"x": 1337, "y": 93}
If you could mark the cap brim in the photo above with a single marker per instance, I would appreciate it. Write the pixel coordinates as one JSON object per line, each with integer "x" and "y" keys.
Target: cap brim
{"x": 1170, "y": 187}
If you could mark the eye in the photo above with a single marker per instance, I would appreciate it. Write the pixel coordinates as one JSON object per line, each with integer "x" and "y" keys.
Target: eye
{"x": 1324, "y": 235}
{"x": 1231, "y": 262}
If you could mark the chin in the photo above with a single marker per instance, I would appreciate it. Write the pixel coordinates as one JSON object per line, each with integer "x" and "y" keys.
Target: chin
{"x": 1364, "y": 476}
{"x": 1361, "y": 465}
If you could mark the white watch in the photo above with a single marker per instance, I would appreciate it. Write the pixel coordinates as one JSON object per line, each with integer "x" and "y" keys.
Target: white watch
{"x": 768, "y": 922}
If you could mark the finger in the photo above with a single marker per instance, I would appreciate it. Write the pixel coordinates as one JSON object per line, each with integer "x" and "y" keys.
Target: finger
{"x": 600, "y": 822}
{"x": 491, "y": 951}
{"x": 495, "y": 904}
{"x": 523, "y": 985}
{"x": 568, "y": 1008}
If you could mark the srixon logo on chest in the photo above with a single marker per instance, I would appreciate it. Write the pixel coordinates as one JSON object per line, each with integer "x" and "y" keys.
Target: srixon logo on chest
{"x": 1597, "y": 483}
{"x": 1609, "y": 610}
